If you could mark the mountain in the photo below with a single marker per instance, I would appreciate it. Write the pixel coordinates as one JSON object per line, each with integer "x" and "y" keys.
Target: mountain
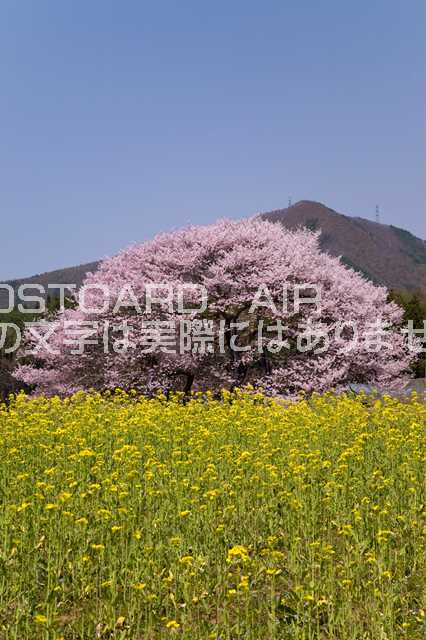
{"x": 69, "y": 275}
{"x": 385, "y": 254}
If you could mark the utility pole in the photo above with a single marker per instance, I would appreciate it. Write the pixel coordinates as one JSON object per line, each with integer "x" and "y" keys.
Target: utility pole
{"x": 377, "y": 214}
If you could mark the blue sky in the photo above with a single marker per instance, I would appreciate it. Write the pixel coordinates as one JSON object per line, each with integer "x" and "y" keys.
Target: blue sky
{"x": 122, "y": 119}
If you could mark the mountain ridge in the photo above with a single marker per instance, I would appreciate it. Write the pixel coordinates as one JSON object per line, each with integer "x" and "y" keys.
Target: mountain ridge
{"x": 385, "y": 254}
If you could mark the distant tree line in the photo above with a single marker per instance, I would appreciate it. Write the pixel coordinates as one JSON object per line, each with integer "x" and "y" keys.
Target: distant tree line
{"x": 414, "y": 305}
{"x": 8, "y": 383}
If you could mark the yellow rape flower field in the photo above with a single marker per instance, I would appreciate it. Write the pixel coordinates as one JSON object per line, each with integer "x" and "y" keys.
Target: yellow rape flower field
{"x": 245, "y": 518}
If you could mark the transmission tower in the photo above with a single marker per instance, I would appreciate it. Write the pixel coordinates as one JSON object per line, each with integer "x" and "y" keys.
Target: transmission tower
{"x": 377, "y": 214}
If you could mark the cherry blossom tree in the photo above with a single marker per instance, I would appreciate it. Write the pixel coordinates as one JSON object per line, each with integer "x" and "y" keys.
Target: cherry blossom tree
{"x": 279, "y": 314}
